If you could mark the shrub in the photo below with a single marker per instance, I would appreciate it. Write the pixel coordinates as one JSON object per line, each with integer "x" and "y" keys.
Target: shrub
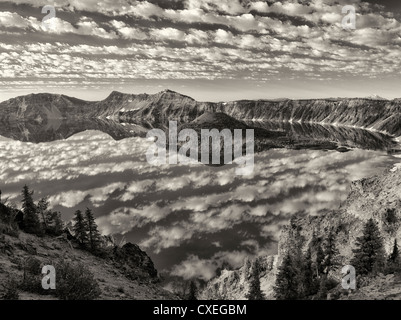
{"x": 8, "y": 226}
{"x": 75, "y": 282}
{"x": 390, "y": 216}
{"x": 331, "y": 283}
{"x": 11, "y": 290}
{"x": 391, "y": 221}
{"x": 32, "y": 280}
{"x": 32, "y": 266}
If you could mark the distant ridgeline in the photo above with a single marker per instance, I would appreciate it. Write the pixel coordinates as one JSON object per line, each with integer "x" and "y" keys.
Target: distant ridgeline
{"x": 368, "y": 113}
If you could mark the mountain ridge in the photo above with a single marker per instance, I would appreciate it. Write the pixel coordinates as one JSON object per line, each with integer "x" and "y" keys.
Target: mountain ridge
{"x": 377, "y": 115}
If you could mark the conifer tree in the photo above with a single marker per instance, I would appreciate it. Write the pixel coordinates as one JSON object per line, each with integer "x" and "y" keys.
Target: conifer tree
{"x": 255, "y": 292}
{"x": 322, "y": 293}
{"x": 319, "y": 261}
{"x": 93, "y": 233}
{"x": 296, "y": 242}
{"x": 193, "y": 290}
{"x": 394, "y": 261}
{"x": 308, "y": 276}
{"x": 286, "y": 287}
{"x": 369, "y": 256}
{"x": 42, "y": 206}
{"x": 55, "y": 225}
{"x": 331, "y": 253}
{"x": 31, "y": 222}
{"x": 80, "y": 228}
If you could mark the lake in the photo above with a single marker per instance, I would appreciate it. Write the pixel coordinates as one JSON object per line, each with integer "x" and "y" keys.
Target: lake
{"x": 190, "y": 219}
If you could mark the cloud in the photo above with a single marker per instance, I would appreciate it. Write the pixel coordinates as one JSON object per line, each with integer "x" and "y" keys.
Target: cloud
{"x": 13, "y": 20}
{"x": 97, "y": 196}
{"x": 196, "y": 40}
{"x": 123, "y": 220}
{"x": 170, "y": 34}
{"x": 166, "y": 237}
{"x": 128, "y": 32}
{"x": 194, "y": 267}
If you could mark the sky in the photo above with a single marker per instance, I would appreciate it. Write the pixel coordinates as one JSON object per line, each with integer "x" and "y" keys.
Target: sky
{"x": 212, "y": 50}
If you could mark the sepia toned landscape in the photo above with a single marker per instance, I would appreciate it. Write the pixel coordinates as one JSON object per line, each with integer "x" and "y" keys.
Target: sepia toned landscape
{"x": 200, "y": 150}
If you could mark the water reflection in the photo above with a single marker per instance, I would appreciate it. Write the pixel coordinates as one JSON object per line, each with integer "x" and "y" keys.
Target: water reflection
{"x": 303, "y": 135}
{"x": 190, "y": 218}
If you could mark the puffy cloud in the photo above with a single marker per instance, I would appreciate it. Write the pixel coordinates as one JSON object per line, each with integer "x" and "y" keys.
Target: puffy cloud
{"x": 98, "y": 196}
{"x": 202, "y": 40}
{"x": 166, "y": 237}
{"x": 227, "y": 6}
{"x": 13, "y": 20}
{"x": 128, "y": 32}
{"x": 123, "y": 220}
{"x": 168, "y": 34}
{"x": 194, "y": 267}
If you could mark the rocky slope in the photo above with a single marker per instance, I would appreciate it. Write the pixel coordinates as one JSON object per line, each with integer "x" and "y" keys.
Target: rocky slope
{"x": 376, "y": 114}
{"x": 377, "y": 197}
{"x": 126, "y": 273}
{"x": 234, "y": 284}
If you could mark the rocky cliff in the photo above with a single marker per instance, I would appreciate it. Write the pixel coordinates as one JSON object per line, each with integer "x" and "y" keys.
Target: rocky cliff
{"x": 234, "y": 284}
{"x": 380, "y": 115}
{"x": 377, "y": 197}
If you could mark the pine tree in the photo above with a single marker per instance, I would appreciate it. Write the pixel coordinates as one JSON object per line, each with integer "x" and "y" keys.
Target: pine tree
{"x": 31, "y": 222}
{"x": 255, "y": 292}
{"x": 331, "y": 253}
{"x": 193, "y": 290}
{"x": 286, "y": 287}
{"x": 42, "y": 206}
{"x": 319, "y": 261}
{"x": 394, "y": 261}
{"x": 322, "y": 293}
{"x": 395, "y": 255}
{"x": 80, "y": 228}
{"x": 308, "y": 276}
{"x": 369, "y": 256}
{"x": 93, "y": 233}
{"x": 296, "y": 242}
{"x": 55, "y": 225}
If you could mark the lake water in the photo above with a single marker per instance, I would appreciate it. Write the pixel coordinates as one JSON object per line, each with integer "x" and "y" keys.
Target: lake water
{"x": 190, "y": 219}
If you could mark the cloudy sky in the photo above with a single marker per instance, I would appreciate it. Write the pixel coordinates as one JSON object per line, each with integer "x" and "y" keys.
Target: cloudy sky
{"x": 209, "y": 49}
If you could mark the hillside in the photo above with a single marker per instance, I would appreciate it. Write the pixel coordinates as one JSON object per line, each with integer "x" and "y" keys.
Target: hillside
{"x": 120, "y": 272}
{"x": 114, "y": 283}
{"x": 374, "y": 114}
{"x": 377, "y": 197}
